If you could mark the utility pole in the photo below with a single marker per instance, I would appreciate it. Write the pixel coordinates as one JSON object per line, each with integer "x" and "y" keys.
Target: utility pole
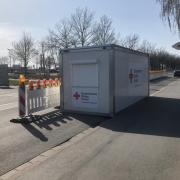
{"x": 40, "y": 59}
{"x": 10, "y": 55}
{"x": 43, "y": 63}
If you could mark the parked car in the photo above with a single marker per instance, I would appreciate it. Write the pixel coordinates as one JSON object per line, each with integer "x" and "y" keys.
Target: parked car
{"x": 176, "y": 73}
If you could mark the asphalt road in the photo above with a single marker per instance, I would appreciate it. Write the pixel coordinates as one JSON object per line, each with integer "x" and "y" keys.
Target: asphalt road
{"x": 8, "y": 97}
{"x": 158, "y": 84}
{"x": 143, "y": 143}
{"x": 20, "y": 143}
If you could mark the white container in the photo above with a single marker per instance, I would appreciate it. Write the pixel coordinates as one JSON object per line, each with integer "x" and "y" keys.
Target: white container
{"x": 102, "y": 80}
{"x": 4, "y": 78}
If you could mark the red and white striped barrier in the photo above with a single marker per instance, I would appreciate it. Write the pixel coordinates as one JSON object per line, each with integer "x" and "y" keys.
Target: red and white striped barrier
{"x": 41, "y": 99}
{"x": 32, "y": 100}
{"x": 22, "y": 101}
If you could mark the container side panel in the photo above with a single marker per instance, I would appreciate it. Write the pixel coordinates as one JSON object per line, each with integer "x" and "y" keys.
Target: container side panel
{"x": 111, "y": 82}
{"x": 131, "y": 79}
{"x": 88, "y": 91}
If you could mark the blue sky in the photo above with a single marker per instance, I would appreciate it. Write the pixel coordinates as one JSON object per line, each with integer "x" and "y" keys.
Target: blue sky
{"x": 129, "y": 17}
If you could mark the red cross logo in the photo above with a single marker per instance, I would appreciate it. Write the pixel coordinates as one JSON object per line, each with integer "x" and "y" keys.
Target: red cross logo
{"x": 76, "y": 95}
{"x": 131, "y": 75}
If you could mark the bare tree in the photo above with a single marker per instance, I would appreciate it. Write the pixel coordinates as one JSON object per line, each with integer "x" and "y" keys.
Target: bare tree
{"x": 82, "y": 28}
{"x": 49, "y": 61}
{"x": 62, "y": 35}
{"x": 104, "y": 32}
{"x": 42, "y": 49}
{"x": 25, "y": 49}
{"x": 174, "y": 61}
{"x": 14, "y": 58}
{"x": 147, "y": 47}
{"x": 53, "y": 54}
{"x": 161, "y": 54}
{"x": 36, "y": 61}
{"x": 130, "y": 41}
{"x": 170, "y": 11}
{"x": 4, "y": 60}
{"x": 52, "y": 51}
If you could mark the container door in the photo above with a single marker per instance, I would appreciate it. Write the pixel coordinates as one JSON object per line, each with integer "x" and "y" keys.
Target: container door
{"x": 83, "y": 95}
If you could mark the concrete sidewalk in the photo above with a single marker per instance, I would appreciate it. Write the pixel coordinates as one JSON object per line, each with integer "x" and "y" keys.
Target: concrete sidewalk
{"x": 141, "y": 143}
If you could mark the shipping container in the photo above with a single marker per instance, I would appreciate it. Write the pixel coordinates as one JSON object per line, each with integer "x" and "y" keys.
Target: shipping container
{"x": 4, "y": 78}
{"x": 102, "y": 80}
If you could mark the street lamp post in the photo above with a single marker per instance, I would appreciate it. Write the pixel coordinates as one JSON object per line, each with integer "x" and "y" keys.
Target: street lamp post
{"x": 177, "y": 47}
{"x": 10, "y": 55}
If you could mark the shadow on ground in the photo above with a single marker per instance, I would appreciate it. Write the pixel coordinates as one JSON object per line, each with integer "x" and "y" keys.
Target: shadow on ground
{"x": 155, "y": 116}
{"x": 56, "y": 118}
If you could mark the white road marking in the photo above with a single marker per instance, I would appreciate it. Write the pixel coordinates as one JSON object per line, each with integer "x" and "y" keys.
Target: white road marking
{"x": 9, "y": 95}
{"x": 8, "y": 106}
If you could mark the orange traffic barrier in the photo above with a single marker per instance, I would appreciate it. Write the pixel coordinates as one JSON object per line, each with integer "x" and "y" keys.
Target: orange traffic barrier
{"x": 50, "y": 82}
{"x": 31, "y": 86}
{"x": 56, "y": 82}
{"x": 38, "y": 84}
{"x": 157, "y": 71}
{"x": 44, "y": 83}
